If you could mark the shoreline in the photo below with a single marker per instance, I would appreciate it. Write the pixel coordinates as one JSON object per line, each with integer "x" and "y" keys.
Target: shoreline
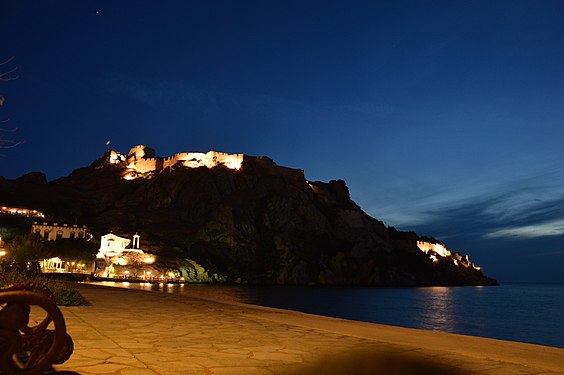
{"x": 475, "y": 311}
{"x": 233, "y": 337}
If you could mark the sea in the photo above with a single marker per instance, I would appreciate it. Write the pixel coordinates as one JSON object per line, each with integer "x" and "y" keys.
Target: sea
{"x": 531, "y": 313}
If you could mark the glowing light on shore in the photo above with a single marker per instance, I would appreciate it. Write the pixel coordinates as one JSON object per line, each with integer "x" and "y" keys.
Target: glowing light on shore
{"x": 21, "y": 211}
{"x": 426, "y": 247}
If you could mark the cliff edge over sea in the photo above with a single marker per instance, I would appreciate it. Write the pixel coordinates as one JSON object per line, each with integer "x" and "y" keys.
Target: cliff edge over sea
{"x": 241, "y": 217}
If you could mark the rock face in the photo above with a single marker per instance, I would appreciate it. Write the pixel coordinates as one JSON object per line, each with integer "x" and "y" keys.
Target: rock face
{"x": 261, "y": 223}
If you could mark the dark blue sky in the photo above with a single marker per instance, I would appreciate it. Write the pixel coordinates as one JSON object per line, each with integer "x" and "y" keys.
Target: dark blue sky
{"x": 444, "y": 117}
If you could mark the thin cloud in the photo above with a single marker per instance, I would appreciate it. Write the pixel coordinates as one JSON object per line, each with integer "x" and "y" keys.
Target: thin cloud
{"x": 521, "y": 209}
{"x": 553, "y": 228}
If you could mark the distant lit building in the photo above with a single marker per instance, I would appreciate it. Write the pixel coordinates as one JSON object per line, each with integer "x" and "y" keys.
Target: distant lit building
{"x": 52, "y": 232}
{"x": 2, "y": 250}
{"x": 112, "y": 245}
{"x": 435, "y": 248}
{"x": 21, "y": 211}
{"x": 122, "y": 258}
{"x": 58, "y": 265}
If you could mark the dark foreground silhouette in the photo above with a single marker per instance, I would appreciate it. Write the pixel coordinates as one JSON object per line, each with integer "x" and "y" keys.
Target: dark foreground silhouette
{"x": 372, "y": 363}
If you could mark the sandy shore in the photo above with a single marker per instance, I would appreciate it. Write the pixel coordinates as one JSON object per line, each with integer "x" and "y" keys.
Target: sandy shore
{"x": 135, "y": 332}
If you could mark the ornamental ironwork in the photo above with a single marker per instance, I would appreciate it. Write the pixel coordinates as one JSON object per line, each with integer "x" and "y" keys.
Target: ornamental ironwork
{"x": 29, "y": 347}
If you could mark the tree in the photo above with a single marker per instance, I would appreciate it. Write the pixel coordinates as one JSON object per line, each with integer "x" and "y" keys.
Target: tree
{"x": 24, "y": 252}
{"x": 7, "y": 74}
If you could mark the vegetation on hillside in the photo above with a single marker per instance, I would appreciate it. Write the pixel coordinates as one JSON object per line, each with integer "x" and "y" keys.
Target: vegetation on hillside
{"x": 64, "y": 293}
{"x": 21, "y": 265}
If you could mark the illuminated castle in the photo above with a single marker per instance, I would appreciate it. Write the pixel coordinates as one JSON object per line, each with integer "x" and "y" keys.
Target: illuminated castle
{"x": 437, "y": 249}
{"x": 141, "y": 159}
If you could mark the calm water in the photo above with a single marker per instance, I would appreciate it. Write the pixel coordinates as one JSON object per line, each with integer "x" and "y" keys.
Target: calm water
{"x": 532, "y": 313}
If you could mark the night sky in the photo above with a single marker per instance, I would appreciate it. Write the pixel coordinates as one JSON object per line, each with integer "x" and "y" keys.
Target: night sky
{"x": 443, "y": 117}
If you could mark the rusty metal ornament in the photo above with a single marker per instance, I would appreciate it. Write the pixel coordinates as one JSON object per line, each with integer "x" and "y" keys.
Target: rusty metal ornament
{"x": 25, "y": 349}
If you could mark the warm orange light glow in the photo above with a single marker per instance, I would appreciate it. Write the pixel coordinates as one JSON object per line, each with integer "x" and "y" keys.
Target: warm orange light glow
{"x": 129, "y": 176}
{"x": 138, "y": 162}
{"x": 21, "y": 211}
{"x": 437, "y": 248}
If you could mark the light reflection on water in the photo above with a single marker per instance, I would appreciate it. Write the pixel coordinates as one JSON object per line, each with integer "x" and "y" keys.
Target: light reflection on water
{"x": 518, "y": 312}
{"x": 437, "y": 310}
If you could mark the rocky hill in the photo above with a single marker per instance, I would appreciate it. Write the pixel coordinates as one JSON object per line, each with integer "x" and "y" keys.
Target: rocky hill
{"x": 244, "y": 218}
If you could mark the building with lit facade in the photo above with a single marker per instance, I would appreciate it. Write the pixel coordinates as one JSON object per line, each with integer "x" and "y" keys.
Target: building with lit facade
{"x": 121, "y": 257}
{"x": 53, "y": 232}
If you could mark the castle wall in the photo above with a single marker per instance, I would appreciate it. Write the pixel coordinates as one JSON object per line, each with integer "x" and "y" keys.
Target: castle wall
{"x": 141, "y": 151}
{"x": 233, "y": 161}
{"x": 145, "y": 165}
{"x": 116, "y": 157}
{"x": 437, "y": 248}
{"x": 209, "y": 160}
{"x": 141, "y": 159}
{"x": 56, "y": 231}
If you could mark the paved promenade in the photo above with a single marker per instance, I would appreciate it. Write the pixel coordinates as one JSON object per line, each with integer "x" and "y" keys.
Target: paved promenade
{"x": 131, "y": 332}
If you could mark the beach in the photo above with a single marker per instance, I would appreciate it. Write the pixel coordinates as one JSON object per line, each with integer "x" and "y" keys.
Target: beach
{"x": 138, "y": 332}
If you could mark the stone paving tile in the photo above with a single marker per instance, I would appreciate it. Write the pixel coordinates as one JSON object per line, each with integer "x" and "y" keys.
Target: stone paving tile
{"x": 285, "y": 369}
{"x": 240, "y": 370}
{"x": 81, "y": 361}
{"x": 104, "y": 368}
{"x": 235, "y": 351}
{"x": 136, "y": 371}
{"x": 277, "y": 356}
{"x": 96, "y": 354}
{"x": 128, "y": 361}
{"x": 128, "y": 332}
{"x": 506, "y": 370}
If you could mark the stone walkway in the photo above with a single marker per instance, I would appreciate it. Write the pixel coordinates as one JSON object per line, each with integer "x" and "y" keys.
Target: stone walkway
{"x": 130, "y": 332}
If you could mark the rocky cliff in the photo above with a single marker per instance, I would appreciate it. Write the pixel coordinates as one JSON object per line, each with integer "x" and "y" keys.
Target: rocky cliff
{"x": 260, "y": 223}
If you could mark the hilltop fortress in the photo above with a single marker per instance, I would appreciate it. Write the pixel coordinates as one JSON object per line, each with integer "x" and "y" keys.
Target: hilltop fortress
{"x": 141, "y": 159}
{"x": 141, "y": 163}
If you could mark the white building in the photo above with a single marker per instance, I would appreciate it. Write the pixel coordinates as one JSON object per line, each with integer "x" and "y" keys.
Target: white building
{"x": 112, "y": 245}
{"x": 52, "y": 232}
{"x": 58, "y": 265}
{"x": 116, "y": 258}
